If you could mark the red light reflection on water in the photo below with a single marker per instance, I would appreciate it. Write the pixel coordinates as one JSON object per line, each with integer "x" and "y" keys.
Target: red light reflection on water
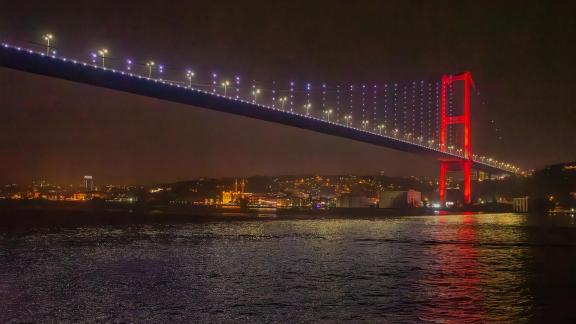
{"x": 453, "y": 277}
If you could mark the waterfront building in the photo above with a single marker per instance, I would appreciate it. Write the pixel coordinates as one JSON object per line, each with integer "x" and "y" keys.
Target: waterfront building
{"x": 399, "y": 199}
{"x": 234, "y": 196}
{"x": 79, "y": 196}
{"x": 520, "y": 205}
{"x": 352, "y": 201}
{"x": 293, "y": 202}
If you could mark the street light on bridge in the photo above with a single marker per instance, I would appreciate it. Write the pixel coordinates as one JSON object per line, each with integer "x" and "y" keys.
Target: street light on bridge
{"x": 225, "y": 85}
{"x": 348, "y": 118}
{"x": 48, "y": 38}
{"x": 189, "y": 76}
{"x": 380, "y": 128}
{"x": 255, "y": 93}
{"x": 150, "y": 65}
{"x": 307, "y": 107}
{"x": 282, "y": 101}
{"x": 103, "y": 52}
{"x": 365, "y": 124}
{"x": 328, "y": 112}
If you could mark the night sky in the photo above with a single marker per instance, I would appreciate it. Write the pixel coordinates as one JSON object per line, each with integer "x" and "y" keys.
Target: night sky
{"x": 522, "y": 55}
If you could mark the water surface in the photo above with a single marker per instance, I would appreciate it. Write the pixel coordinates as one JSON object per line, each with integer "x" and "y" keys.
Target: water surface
{"x": 477, "y": 268}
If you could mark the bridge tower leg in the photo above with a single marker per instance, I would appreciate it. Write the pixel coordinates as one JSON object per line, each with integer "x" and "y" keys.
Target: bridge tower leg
{"x": 465, "y": 163}
{"x": 443, "y": 169}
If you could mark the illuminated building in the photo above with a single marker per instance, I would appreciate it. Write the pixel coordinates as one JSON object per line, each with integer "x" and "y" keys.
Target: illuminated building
{"x": 227, "y": 197}
{"x": 79, "y": 196}
{"x": 259, "y": 201}
{"x": 234, "y": 196}
{"x": 88, "y": 183}
{"x": 293, "y": 202}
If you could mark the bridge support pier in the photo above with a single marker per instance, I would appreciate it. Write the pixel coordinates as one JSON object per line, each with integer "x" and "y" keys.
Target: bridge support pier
{"x": 466, "y": 167}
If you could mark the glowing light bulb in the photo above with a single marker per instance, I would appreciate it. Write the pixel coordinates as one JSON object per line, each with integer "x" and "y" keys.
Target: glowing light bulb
{"x": 237, "y": 82}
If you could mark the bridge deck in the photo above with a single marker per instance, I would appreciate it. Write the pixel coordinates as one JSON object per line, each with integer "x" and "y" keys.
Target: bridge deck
{"x": 62, "y": 68}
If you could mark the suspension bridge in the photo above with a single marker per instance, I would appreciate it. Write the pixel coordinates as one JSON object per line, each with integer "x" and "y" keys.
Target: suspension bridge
{"x": 430, "y": 118}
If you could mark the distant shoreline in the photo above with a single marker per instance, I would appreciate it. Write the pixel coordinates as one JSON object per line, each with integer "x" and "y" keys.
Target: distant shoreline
{"x": 23, "y": 215}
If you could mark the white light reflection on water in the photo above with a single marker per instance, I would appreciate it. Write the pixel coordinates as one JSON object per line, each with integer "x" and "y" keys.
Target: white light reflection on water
{"x": 444, "y": 268}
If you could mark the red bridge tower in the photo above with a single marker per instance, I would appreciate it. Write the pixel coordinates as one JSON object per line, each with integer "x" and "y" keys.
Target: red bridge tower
{"x": 464, "y": 164}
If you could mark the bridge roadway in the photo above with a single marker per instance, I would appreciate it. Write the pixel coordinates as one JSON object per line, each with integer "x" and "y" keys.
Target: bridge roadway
{"x": 58, "y": 67}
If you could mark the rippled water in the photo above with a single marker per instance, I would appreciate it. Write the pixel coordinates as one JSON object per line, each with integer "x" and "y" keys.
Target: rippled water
{"x": 484, "y": 268}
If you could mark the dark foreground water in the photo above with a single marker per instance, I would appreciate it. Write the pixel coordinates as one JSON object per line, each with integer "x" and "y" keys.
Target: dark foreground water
{"x": 474, "y": 268}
